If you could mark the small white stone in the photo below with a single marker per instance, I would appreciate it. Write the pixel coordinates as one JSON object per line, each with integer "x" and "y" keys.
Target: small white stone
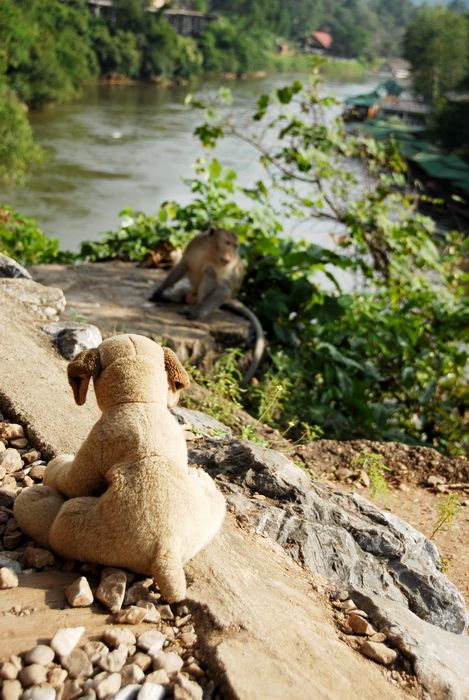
{"x": 129, "y": 692}
{"x": 32, "y": 675}
{"x": 41, "y": 654}
{"x": 113, "y": 662}
{"x": 10, "y": 460}
{"x": 132, "y": 674}
{"x": 114, "y": 636}
{"x": 66, "y": 639}
{"x": 169, "y": 662}
{"x": 165, "y": 612}
{"x": 151, "y": 691}
{"x": 151, "y": 640}
{"x": 8, "y": 578}
{"x": 95, "y": 650}
{"x": 11, "y": 690}
{"x": 8, "y": 671}
{"x": 111, "y": 591}
{"x": 109, "y": 685}
{"x": 39, "y": 694}
{"x": 79, "y": 593}
{"x": 151, "y": 613}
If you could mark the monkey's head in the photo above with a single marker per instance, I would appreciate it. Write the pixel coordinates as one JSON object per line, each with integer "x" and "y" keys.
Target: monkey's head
{"x": 226, "y": 244}
{"x": 128, "y": 368}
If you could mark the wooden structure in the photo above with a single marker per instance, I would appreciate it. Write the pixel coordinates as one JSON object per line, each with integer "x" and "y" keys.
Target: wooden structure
{"x": 185, "y": 21}
{"x": 188, "y": 22}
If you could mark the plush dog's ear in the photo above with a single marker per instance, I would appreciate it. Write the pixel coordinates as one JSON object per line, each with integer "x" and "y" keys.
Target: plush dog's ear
{"x": 80, "y": 370}
{"x": 178, "y": 379}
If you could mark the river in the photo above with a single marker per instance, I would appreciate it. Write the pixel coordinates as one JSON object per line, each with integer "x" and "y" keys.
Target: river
{"x": 128, "y": 146}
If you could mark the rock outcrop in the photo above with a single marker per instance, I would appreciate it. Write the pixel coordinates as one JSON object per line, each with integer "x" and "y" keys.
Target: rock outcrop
{"x": 340, "y": 536}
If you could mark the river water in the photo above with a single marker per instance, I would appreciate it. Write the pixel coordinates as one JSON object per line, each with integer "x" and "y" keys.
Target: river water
{"x": 129, "y": 146}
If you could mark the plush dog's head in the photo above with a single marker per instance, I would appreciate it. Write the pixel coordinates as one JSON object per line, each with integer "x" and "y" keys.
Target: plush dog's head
{"x": 128, "y": 368}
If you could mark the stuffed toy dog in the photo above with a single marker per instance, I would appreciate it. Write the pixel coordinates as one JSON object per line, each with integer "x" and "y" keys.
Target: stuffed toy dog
{"x": 133, "y": 500}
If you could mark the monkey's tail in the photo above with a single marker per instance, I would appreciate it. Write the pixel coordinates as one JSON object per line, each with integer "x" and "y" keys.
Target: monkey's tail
{"x": 259, "y": 347}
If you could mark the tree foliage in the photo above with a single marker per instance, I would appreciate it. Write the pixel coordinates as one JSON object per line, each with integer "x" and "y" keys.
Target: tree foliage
{"x": 437, "y": 45}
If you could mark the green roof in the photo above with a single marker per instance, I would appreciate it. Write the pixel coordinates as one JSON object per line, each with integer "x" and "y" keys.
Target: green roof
{"x": 427, "y": 156}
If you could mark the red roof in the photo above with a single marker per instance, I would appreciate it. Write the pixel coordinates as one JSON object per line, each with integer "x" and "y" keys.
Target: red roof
{"x": 323, "y": 38}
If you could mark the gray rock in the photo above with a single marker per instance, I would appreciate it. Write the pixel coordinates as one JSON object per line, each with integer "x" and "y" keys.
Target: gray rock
{"x": 202, "y": 424}
{"x": 440, "y": 658}
{"x": 342, "y": 537}
{"x": 48, "y": 302}
{"x": 71, "y": 337}
{"x": 11, "y": 268}
{"x": 10, "y": 564}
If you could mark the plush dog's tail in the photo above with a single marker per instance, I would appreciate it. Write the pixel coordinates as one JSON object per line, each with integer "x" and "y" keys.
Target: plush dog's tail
{"x": 168, "y": 573}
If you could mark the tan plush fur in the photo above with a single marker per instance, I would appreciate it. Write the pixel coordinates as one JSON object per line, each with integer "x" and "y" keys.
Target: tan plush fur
{"x": 134, "y": 502}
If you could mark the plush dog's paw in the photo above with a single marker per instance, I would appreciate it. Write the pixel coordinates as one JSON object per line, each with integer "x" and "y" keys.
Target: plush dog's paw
{"x": 55, "y": 468}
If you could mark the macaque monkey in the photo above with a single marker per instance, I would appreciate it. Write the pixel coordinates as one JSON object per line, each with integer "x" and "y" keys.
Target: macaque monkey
{"x": 212, "y": 264}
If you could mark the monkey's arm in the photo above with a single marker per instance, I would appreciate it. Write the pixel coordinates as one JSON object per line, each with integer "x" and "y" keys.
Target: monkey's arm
{"x": 173, "y": 276}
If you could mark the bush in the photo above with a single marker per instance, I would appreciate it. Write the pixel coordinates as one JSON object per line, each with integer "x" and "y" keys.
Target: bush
{"x": 23, "y": 240}
{"x": 17, "y": 148}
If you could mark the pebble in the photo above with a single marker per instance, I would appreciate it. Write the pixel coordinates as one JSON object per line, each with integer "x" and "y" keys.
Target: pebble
{"x": 31, "y": 456}
{"x": 38, "y": 558}
{"x": 347, "y": 605}
{"x": 165, "y": 612}
{"x": 12, "y": 540}
{"x": 77, "y": 664}
{"x": 378, "y": 652}
{"x": 11, "y": 690}
{"x": 107, "y": 684}
{"x": 56, "y": 677}
{"x": 186, "y": 689}
{"x": 151, "y": 640}
{"x": 151, "y": 613}
{"x": 66, "y": 639}
{"x": 359, "y": 625}
{"x": 37, "y": 472}
{"x": 113, "y": 662}
{"x": 131, "y": 616}
{"x": 138, "y": 591}
{"x": 169, "y": 662}
{"x": 129, "y": 692}
{"x": 79, "y": 593}
{"x": 94, "y": 651}
{"x": 194, "y": 669}
{"x": 39, "y": 694}
{"x": 32, "y": 675}
{"x": 71, "y": 689}
{"x": 40, "y": 654}
{"x": 188, "y": 638}
{"x": 159, "y": 677}
{"x": 151, "y": 691}
{"x": 142, "y": 660}
{"x": 8, "y": 671}
{"x": 8, "y": 578}
{"x": 116, "y": 636}
{"x": 378, "y": 637}
{"x": 19, "y": 443}
{"x": 111, "y": 591}
{"x": 11, "y": 431}
{"x": 131, "y": 674}
{"x": 10, "y": 460}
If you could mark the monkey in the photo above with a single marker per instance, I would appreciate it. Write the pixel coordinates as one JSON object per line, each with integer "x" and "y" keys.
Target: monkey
{"x": 215, "y": 271}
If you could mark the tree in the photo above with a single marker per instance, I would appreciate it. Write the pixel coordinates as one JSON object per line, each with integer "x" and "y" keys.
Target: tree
{"x": 437, "y": 45}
